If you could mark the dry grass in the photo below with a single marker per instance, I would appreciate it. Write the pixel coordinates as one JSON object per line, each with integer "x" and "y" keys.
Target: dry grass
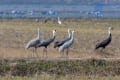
{"x": 14, "y": 34}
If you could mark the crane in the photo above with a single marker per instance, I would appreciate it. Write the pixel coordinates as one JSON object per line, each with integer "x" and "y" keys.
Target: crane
{"x": 47, "y": 42}
{"x": 34, "y": 43}
{"x": 59, "y": 21}
{"x": 105, "y": 42}
{"x": 59, "y": 43}
{"x": 67, "y": 44}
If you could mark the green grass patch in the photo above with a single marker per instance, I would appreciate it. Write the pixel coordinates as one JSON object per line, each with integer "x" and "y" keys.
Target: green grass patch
{"x": 67, "y": 67}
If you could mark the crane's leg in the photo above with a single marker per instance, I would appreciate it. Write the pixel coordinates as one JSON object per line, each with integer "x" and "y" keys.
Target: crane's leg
{"x": 102, "y": 49}
{"x": 33, "y": 52}
{"x": 43, "y": 52}
{"x": 62, "y": 54}
{"x": 46, "y": 52}
{"x": 67, "y": 53}
{"x": 36, "y": 52}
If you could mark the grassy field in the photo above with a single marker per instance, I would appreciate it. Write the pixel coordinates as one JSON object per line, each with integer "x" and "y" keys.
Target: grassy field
{"x": 15, "y": 33}
{"x": 90, "y": 69}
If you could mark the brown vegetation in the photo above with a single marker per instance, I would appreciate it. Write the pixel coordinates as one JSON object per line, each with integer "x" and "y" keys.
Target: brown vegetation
{"x": 15, "y": 33}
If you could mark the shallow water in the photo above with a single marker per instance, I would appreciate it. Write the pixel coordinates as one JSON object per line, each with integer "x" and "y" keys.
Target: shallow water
{"x": 93, "y": 10}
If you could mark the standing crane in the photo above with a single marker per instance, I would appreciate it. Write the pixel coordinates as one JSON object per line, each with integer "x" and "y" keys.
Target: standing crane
{"x": 67, "y": 44}
{"x": 59, "y": 21}
{"x": 59, "y": 43}
{"x": 47, "y": 42}
{"x": 34, "y": 43}
{"x": 105, "y": 42}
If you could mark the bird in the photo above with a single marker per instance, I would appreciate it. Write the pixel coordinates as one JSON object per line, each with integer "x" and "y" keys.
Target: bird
{"x": 34, "y": 43}
{"x": 59, "y": 43}
{"x": 59, "y": 22}
{"x": 47, "y": 42}
{"x": 67, "y": 44}
{"x": 105, "y": 42}
{"x": 36, "y": 20}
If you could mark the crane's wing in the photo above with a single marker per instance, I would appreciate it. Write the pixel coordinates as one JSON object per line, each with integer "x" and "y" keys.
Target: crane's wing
{"x": 103, "y": 43}
{"x": 45, "y": 42}
{"x": 60, "y": 43}
{"x": 32, "y": 43}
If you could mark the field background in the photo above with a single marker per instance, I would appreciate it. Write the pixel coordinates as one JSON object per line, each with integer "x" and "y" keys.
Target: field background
{"x": 15, "y": 33}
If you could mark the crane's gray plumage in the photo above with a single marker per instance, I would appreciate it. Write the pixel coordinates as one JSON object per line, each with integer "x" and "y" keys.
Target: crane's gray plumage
{"x": 47, "y": 42}
{"x": 105, "y": 42}
{"x": 67, "y": 44}
{"x": 34, "y": 42}
{"x": 59, "y": 43}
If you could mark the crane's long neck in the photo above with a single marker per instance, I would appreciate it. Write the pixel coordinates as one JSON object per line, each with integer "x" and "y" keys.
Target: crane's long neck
{"x": 72, "y": 35}
{"x": 58, "y": 19}
{"x": 69, "y": 34}
{"x": 38, "y": 34}
{"x": 109, "y": 31}
{"x": 54, "y": 35}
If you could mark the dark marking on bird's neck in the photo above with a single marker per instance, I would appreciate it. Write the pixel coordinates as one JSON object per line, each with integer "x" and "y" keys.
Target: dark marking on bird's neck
{"x": 110, "y": 35}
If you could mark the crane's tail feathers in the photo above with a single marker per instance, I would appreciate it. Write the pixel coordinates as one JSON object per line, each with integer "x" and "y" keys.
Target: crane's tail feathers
{"x": 26, "y": 47}
{"x": 96, "y": 48}
{"x": 56, "y": 44}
